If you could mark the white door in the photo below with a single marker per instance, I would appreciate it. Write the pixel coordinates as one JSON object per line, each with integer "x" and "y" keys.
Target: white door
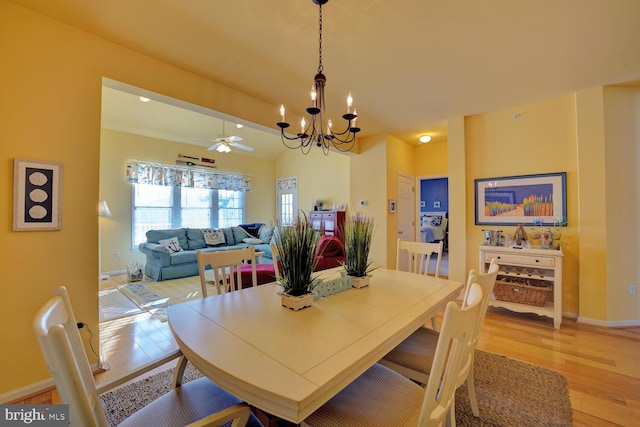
{"x": 406, "y": 213}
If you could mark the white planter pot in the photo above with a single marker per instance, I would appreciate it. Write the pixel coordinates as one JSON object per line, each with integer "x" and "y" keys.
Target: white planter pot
{"x": 359, "y": 282}
{"x": 296, "y": 302}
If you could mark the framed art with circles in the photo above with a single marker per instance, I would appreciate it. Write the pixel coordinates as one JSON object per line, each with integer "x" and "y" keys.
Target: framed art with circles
{"x": 37, "y": 195}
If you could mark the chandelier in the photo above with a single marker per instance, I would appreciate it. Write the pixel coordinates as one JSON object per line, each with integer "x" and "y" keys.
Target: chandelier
{"x": 319, "y": 130}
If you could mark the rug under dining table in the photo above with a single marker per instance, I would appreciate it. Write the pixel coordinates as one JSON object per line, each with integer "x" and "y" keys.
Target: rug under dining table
{"x": 510, "y": 393}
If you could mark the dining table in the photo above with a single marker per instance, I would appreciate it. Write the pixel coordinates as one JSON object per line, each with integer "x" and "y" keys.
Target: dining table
{"x": 289, "y": 363}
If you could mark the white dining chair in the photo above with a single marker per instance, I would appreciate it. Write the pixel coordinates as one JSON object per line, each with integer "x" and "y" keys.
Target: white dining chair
{"x": 227, "y": 268}
{"x": 412, "y": 358}
{"x": 200, "y": 401}
{"x": 419, "y": 256}
{"x": 382, "y": 397}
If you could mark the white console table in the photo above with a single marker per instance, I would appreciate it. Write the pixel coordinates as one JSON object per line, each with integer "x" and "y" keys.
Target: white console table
{"x": 535, "y": 263}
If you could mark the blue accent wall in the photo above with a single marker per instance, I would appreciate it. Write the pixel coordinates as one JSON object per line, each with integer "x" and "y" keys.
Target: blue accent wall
{"x": 434, "y": 190}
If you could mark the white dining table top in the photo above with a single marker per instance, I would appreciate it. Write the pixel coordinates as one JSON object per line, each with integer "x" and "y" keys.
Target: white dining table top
{"x": 288, "y": 363}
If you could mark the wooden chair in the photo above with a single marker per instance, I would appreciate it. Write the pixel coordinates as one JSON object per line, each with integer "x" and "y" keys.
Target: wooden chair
{"x": 382, "y": 397}
{"x": 413, "y": 357}
{"x": 227, "y": 268}
{"x": 420, "y": 255}
{"x": 198, "y": 401}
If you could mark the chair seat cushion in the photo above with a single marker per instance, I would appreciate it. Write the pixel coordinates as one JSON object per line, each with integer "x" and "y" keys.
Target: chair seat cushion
{"x": 379, "y": 397}
{"x": 204, "y": 397}
{"x": 416, "y": 352}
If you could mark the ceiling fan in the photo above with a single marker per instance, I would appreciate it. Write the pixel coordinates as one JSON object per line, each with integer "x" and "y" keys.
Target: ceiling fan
{"x": 224, "y": 142}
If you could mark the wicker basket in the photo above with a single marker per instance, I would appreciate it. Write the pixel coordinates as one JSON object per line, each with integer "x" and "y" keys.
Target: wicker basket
{"x": 521, "y": 293}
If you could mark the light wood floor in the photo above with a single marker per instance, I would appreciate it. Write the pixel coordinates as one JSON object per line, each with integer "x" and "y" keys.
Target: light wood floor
{"x": 601, "y": 365}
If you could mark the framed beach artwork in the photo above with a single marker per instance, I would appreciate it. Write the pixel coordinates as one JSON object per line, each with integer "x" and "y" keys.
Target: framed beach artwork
{"x": 527, "y": 199}
{"x": 37, "y": 195}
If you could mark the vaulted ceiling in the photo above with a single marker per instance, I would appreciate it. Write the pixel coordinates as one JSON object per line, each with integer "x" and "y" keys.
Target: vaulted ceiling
{"x": 410, "y": 64}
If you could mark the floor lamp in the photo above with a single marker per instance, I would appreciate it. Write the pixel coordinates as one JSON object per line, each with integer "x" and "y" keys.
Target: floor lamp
{"x": 103, "y": 210}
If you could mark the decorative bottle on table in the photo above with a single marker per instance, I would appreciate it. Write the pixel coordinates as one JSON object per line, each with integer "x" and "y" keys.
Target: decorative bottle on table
{"x": 520, "y": 236}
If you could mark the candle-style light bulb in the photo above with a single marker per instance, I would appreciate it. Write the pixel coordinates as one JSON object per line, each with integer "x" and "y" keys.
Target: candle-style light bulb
{"x": 349, "y": 103}
{"x": 313, "y": 95}
{"x": 302, "y": 124}
{"x": 282, "y": 112}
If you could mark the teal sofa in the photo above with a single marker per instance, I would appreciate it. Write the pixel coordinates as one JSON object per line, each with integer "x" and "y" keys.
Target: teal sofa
{"x": 164, "y": 264}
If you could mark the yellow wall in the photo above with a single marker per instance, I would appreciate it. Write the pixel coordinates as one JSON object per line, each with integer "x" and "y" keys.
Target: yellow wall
{"x": 368, "y": 182}
{"x": 622, "y": 189}
{"x": 116, "y": 147}
{"x": 319, "y": 176}
{"x": 541, "y": 140}
{"x": 593, "y": 255}
{"x": 431, "y": 159}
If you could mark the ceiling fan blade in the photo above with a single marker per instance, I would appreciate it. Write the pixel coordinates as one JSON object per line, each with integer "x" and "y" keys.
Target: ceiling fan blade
{"x": 214, "y": 146}
{"x": 241, "y": 146}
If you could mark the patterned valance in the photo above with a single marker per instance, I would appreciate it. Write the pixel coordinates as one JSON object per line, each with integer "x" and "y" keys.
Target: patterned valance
{"x": 144, "y": 172}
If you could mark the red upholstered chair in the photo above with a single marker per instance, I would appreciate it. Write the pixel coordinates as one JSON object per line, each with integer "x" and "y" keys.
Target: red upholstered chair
{"x": 330, "y": 253}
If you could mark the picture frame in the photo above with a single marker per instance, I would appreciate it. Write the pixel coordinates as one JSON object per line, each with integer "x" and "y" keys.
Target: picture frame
{"x": 526, "y": 199}
{"x": 392, "y": 206}
{"x": 37, "y": 195}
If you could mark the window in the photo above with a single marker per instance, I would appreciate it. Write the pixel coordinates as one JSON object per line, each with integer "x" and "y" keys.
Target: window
{"x": 158, "y": 207}
{"x": 230, "y": 208}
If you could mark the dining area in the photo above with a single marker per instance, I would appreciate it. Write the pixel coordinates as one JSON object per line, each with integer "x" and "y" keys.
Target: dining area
{"x": 354, "y": 354}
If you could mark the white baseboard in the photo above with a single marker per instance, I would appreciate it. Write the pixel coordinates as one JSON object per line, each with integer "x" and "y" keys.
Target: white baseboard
{"x": 609, "y": 324}
{"x": 31, "y": 389}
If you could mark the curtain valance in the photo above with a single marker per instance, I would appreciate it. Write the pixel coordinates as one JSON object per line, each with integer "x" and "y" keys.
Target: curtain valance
{"x": 153, "y": 173}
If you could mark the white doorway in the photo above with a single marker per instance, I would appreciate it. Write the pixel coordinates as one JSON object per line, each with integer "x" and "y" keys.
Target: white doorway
{"x": 406, "y": 208}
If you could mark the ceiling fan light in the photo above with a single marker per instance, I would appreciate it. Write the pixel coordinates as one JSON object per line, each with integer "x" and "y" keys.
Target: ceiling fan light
{"x": 223, "y": 148}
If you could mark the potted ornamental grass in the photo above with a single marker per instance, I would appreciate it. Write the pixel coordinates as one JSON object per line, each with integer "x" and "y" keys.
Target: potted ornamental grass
{"x": 296, "y": 250}
{"x": 358, "y": 234}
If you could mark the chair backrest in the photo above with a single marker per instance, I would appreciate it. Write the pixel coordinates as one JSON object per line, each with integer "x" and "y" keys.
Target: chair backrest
{"x": 275, "y": 256}
{"x": 452, "y": 352}
{"x": 224, "y": 264}
{"x": 57, "y": 333}
{"x": 486, "y": 282}
{"x": 419, "y": 256}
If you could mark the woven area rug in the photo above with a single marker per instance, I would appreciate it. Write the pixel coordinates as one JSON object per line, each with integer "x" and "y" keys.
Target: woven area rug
{"x": 155, "y": 297}
{"x": 510, "y": 394}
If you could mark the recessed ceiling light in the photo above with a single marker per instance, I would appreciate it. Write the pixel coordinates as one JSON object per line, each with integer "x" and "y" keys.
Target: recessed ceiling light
{"x": 144, "y": 99}
{"x": 425, "y": 138}
{"x": 239, "y": 125}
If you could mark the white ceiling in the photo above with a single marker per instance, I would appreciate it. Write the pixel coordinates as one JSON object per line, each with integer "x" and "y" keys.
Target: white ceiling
{"x": 410, "y": 64}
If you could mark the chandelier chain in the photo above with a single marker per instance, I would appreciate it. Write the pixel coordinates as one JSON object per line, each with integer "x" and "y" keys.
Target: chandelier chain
{"x": 320, "y": 67}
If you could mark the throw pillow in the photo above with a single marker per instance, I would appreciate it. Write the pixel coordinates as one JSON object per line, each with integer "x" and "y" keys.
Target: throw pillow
{"x": 172, "y": 244}
{"x": 265, "y": 233}
{"x": 252, "y": 229}
{"x": 252, "y": 241}
{"x": 213, "y": 237}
